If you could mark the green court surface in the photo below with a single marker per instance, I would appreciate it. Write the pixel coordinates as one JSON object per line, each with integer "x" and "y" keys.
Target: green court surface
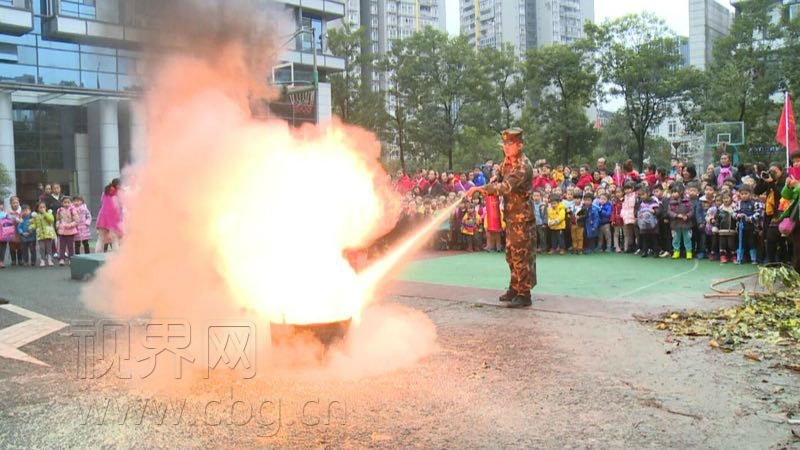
{"x": 598, "y": 276}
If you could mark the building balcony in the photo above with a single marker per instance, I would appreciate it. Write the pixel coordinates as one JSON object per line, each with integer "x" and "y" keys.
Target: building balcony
{"x": 326, "y": 9}
{"x": 16, "y": 17}
{"x": 93, "y": 32}
{"x": 325, "y": 63}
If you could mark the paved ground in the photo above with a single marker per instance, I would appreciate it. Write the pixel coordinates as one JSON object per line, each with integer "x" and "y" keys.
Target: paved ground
{"x": 573, "y": 371}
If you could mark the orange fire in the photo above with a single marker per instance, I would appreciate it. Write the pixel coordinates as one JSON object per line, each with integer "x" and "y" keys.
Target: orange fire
{"x": 225, "y": 214}
{"x": 328, "y": 196}
{"x": 285, "y": 258}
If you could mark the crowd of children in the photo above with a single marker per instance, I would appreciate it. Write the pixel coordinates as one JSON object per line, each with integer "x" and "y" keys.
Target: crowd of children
{"x": 56, "y": 227}
{"x": 41, "y": 233}
{"x": 729, "y": 214}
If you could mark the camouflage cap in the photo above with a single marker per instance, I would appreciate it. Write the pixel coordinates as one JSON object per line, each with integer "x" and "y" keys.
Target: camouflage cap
{"x": 512, "y": 134}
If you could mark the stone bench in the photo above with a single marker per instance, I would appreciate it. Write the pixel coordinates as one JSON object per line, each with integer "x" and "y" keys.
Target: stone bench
{"x": 83, "y": 267}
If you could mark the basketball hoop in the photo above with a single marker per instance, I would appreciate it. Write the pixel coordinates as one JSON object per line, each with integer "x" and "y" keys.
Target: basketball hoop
{"x": 302, "y": 101}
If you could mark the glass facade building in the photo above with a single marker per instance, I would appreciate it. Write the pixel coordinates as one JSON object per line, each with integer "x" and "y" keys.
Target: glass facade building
{"x": 67, "y": 95}
{"x": 70, "y": 83}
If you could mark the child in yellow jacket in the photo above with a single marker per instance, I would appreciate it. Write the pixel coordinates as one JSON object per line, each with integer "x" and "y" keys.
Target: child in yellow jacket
{"x": 558, "y": 174}
{"x": 556, "y": 223}
{"x": 45, "y": 233}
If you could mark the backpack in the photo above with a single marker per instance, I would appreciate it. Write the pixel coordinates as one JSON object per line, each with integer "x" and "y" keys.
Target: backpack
{"x": 8, "y": 229}
{"x": 647, "y": 221}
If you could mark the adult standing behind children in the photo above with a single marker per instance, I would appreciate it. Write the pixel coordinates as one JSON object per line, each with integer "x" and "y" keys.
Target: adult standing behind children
{"x": 109, "y": 219}
{"x": 53, "y": 201}
{"x": 725, "y": 170}
{"x": 771, "y": 183}
{"x": 791, "y": 192}
{"x": 515, "y": 186}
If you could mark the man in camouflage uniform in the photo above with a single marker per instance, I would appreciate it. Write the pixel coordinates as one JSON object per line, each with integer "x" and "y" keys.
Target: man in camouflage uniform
{"x": 515, "y": 185}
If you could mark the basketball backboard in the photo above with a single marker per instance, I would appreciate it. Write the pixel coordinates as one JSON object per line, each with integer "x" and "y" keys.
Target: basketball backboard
{"x": 283, "y": 74}
{"x": 729, "y": 134}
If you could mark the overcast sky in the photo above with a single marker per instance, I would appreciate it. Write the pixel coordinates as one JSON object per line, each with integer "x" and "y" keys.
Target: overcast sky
{"x": 674, "y": 12}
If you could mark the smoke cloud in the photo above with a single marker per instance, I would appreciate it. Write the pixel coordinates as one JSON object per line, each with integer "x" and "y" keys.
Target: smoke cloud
{"x": 229, "y": 217}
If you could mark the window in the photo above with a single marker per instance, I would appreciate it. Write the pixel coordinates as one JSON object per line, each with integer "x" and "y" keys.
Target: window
{"x": 99, "y": 80}
{"x": 672, "y": 129}
{"x": 58, "y": 58}
{"x": 84, "y": 9}
{"x": 17, "y": 73}
{"x": 98, "y": 63}
{"x": 305, "y": 38}
{"x": 8, "y": 53}
{"x": 59, "y": 77}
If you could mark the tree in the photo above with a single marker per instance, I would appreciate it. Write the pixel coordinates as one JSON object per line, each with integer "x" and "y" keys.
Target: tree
{"x": 502, "y": 90}
{"x": 432, "y": 80}
{"x": 405, "y": 98}
{"x": 617, "y": 144}
{"x": 744, "y": 75}
{"x": 561, "y": 82}
{"x": 640, "y": 58}
{"x": 354, "y": 100}
{"x": 448, "y": 67}
{"x": 5, "y": 183}
{"x": 790, "y": 56}
{"x": 474, "y": 147}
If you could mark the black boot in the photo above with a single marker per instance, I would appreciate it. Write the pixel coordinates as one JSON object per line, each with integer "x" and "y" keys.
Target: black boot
{"x": 520, "y": 301}
{"x": 508, "y": 296}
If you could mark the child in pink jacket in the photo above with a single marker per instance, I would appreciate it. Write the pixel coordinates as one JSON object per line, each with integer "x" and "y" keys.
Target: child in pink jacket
{"x": 67, "y": 227}
{"x": 629, "y": 217}
{"x": 84, "y": 226}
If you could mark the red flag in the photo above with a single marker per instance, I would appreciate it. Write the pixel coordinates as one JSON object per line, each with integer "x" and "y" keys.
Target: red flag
{"x": 597, "y": 123}
{"x": 787, "y": 128}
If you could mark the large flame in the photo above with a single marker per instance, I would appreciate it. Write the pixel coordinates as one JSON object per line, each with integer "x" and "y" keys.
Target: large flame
{"x": 225, "y": 214}
{"x": 228, "y": 211}
{"x": 327, "y": 195}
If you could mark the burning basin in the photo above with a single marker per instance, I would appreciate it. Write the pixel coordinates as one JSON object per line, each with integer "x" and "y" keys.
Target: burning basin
{"x": 326, "y": 333}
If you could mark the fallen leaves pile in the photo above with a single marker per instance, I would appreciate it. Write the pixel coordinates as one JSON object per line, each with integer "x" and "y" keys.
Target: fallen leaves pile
{"x": 768, "y": 321}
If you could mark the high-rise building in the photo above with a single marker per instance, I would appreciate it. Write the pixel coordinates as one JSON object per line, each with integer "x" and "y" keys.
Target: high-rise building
{"x": 792, "y": 7}
{"x": 352, "y": 13}
{"x": 70, "y": 85}
{"x": 708, "y": 21}
{"x": 387, "y": 20}
{"x": 524, "y": 23}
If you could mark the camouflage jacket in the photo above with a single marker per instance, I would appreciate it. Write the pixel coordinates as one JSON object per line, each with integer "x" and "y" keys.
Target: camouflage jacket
{"x": 515, "y": 185}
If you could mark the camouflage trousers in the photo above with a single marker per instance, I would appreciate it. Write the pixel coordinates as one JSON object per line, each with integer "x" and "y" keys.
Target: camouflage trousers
{"x": 521, "y": 255}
